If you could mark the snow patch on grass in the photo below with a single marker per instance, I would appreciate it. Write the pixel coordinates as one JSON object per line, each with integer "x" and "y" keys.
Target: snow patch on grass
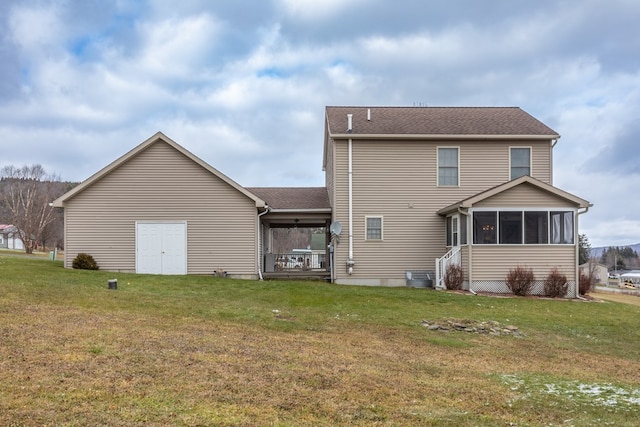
{"x": 605, "y": 394}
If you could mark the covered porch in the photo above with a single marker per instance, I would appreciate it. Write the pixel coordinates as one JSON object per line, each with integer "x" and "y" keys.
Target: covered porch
{"x": 294, "y": 233}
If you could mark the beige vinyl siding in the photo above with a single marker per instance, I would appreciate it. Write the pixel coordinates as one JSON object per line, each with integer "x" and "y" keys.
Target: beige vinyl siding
{"x": 329, "y": 175}
{"x": 524, "y": 196}
{"x": 387, "y": 182}
{"x": 493, "y": 262}
{"x": 161, "y": 184}
{"x": 484, "y": 164}
{"x": 398, "y": 180}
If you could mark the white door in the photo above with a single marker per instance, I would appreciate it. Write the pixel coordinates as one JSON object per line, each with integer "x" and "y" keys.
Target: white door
{"x": 161, "y": 248}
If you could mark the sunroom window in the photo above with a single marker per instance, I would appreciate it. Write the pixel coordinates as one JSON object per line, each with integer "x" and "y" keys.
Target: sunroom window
{"x": 511, "y": 227}
{"x": 516, "y": 227}
{"x": 561, "y": 227}
{"x": 484, "y": 228}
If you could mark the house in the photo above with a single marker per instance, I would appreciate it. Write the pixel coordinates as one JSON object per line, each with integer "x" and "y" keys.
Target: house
{"x": 407, "y": 189}
{"x": 599, "y": 272}
{"x": 9, "y": 238}
{"x": 419, "y": 188}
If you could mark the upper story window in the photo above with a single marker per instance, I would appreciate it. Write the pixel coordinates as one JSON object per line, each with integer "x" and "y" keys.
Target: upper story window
{"x": 520, "y": 158}
{"x": 373, "y": 226}
{"x": 448, "y": 165}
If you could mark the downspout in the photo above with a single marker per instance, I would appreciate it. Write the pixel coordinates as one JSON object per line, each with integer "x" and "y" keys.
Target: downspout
{"x": 350, "y": 262}
{"x": 553, "y": 144}
{"x": 576, "y": 237}
{"x": 259, "y": 235}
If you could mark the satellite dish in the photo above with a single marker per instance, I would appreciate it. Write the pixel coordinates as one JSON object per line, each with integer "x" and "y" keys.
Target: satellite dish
{"x": 335, "y": 228}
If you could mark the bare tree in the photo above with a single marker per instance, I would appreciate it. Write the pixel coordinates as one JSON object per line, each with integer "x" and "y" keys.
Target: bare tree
{"x": 26, "y": 194}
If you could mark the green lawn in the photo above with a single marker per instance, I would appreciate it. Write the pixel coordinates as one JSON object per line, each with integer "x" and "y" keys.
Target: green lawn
{"x": 193, "y": 351}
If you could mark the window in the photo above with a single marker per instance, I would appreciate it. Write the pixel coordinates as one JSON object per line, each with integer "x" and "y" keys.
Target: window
{"x": 530, "y": 227}
{"x": 456, "y": 230}
{"x": 561, "y": 227}
{"x": 520, "y": 162}
{"x": 452, "y": 231}
{"x": 536, "y": 228}
{"x": 484, "y": 228}
{"x": 374, "y": 227}
{"x": 510, "y": 228}
{"x": 448, "y": 166}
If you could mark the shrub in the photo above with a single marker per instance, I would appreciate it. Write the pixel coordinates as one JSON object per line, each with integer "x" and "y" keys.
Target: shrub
{"x": 520, "y": 280}
{"x": 453, "y": 277}
{"x": 84, "y": 261}
{"x": 555, "y": 285}
{"x": 585, "y": 283}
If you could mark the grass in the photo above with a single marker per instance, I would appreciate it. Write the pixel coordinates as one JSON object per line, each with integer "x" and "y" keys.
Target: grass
{"x": 193, "y": 351}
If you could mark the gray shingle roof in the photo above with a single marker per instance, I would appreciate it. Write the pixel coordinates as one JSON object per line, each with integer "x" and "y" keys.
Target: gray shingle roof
{"x": 293, "y": 197}
{"x": 436, "y": 121}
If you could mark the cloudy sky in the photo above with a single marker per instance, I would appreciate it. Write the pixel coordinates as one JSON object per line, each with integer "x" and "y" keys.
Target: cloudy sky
{"x": 243, "y": 84}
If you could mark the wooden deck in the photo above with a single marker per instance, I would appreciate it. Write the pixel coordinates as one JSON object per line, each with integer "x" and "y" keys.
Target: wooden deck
{"x": 299, "y": 275}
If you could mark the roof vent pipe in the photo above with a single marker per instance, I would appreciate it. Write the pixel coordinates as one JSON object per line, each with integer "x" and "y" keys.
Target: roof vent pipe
{"x": 349, "y": 122}
{"x": 368, "y": 114}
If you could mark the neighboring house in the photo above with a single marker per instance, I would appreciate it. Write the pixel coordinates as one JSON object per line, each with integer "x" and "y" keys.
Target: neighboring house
{"x": 407, "y": 189}
{"x": 9, "y": 238}
{"x": 600, "y": 272}
{"x": 418, "y": 188}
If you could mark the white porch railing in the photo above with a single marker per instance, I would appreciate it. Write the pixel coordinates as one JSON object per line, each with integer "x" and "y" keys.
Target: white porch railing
{"x": 451, "y": 257}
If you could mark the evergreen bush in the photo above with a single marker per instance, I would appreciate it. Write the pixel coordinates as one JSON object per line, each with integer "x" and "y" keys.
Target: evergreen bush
{"x": 84, "y": 261}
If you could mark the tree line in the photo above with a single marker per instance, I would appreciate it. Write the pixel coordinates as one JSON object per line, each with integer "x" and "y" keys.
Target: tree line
{"x": 26, "y": 194}
{"x": 620, "y": 257}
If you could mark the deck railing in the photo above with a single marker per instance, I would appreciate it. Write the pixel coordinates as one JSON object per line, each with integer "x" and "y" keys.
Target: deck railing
{"x": 297, "y": 262}
{"x": 451, "y": 257}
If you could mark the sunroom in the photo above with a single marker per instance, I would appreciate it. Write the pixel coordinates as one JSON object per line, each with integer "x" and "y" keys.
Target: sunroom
{"x": 524, "y": 222}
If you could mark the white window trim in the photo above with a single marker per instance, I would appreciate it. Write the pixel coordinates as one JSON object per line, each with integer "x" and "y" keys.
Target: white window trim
{"x": 521, "y": 209}
{"x": 438, "y": 166}
{"x": 530, "y": 160}
{"x": 458, "y": 230}
{"x": 366, "y": 228}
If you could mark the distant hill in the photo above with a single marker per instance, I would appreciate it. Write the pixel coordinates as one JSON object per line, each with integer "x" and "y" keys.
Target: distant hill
{"x": 597, "y": 252}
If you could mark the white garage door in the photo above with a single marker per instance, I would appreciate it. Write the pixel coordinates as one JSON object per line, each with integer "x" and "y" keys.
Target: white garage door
{"x": 161, "y": 248}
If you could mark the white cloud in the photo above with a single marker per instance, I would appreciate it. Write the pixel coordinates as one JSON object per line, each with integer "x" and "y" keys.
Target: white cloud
{"x": 177, "y": 48}
{"x": 36, "y": 30}
{"x": 246, "y": 91}
{"x": 313, "y": 10}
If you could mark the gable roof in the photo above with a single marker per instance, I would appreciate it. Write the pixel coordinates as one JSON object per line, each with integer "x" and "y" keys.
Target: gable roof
{"x": 294, "y": 198}
{"x": 159, "y": 137}
{"x": 425, "y": 122}
{"x": 470, "y": 201}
